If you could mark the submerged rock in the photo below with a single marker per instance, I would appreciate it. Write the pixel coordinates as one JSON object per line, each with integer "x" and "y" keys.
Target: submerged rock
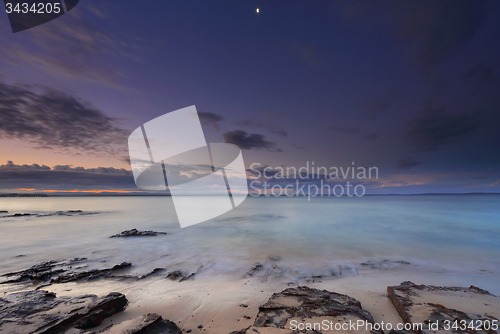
{"x": 436, "y": 307}
{"x": 43, "y": 312}
{"x": 91, "y": 274}
{"x": 154, "y": 271}
{"x": 182, "y": 275}
{"x": 63, "y": 270}
{"x": 177, "y": 274}
{"x": 57, "y": 213}
{"x": 135, "y": 233}
{"x": 310, "y": 307}
{"x": 42, "y": 271}
{"x": 255, "y": 269}
{"x": 273, "y": 269}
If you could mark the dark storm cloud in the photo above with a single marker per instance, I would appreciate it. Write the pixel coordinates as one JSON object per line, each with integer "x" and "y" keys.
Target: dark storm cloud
{"x": 268, "y": 125}
{"x": 247, "y": 141}
{"x": 407, "y": 163}
{"x": 53, "y": 119}
{"x": 210, "y": 119}
{"x": 431, "y": 29}
{"x": 14, "y": 176}
{"x": 436, "y": 128}
{"x": 283, "y": 174}
{"x": 72, "y": 47}
{"x": 436, "y": 28}
{"x": 484, "y": 76}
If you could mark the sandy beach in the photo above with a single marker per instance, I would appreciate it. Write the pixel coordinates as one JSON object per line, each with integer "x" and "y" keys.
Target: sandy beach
{"x": 215, "y": 303}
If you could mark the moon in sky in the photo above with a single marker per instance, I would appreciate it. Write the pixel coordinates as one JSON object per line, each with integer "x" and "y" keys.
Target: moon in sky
{"x": 257, "y": 10}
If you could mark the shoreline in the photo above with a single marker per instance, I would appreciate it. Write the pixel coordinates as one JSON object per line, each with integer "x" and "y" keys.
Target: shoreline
{"x": 203, "y": 300}
{"x": 214, "y": 301}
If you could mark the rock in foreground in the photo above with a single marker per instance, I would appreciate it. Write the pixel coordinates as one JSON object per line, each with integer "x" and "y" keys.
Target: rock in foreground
{"x": 150, "y": 323}
{"x": 305, "y": 306}
{"x": 135, "y": 233}
{"x": 446, "y": 309}
{"x": 42, "y": 312}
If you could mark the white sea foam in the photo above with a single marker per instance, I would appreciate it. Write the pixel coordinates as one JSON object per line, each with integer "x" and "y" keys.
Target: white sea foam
{"x": 326, "y": 238}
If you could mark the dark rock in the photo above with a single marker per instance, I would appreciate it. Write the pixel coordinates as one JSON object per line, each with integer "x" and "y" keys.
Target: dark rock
{"x": 113, "y": 303}
{"x": 256, "y": 268}
{"x": 63, "y": 271}
{"x": 271, "y": 269}
{"x": 417, "y": 304}
{"x": 65, "y": 213}
{"x": 57, "y": 213}
{"x": 175, "y": 275}
{"x": 135, "y": 233}
{"x": 42, "y": 312}
{"x": 91, "y": 274}
{"x": 190, "y": 276}
{"x": 309, "y": 305}
{"x": 4, "y": 211}
{"x": 384, "y": 264}
{"x": 150, "y": 323}
{"x": 156, "y": 270}
{"x": 264, "y": 271}
{"x": 39, "y": 272}
{"x": 182, "y": 275}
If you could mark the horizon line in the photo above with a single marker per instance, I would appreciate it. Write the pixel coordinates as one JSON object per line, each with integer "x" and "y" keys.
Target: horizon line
{"x": 118, "y": 194}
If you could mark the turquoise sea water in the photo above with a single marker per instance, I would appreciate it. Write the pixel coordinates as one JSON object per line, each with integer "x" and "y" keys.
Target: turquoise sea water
{"x": 430, "y": 232}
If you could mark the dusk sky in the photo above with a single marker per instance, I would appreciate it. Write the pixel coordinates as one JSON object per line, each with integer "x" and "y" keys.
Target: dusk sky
{"x": 411, "y": 87}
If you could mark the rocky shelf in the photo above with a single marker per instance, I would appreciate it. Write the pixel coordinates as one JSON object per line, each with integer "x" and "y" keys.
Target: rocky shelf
{"x": 34, "y": 310}
{"x": 446, "y": 309}
{"x": 42, "y": 312}
{"x": 135, "y": 233}
{"x": 284, "y": 310}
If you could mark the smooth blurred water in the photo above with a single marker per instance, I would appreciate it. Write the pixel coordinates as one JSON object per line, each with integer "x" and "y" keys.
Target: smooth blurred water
{"x": 435, "y": 232}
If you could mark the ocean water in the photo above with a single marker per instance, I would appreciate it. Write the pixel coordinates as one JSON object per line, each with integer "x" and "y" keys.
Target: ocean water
{"x": 322, "y": 237}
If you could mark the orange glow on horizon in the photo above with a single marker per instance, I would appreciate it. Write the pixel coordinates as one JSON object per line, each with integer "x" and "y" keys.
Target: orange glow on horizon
{"x": 81, "y": 191}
